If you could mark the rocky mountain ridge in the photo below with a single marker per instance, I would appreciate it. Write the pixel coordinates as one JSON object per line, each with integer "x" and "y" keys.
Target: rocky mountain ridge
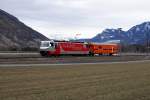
{"x": 138, "y": 34}
{"x": 15, "y": 35}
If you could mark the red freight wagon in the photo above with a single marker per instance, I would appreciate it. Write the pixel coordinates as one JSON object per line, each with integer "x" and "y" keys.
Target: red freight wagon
{"x": 49, "y": 48}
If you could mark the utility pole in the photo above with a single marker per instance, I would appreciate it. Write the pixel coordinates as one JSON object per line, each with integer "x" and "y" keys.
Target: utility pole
{"x": 148, "y": 44}
{"x": 147, "y": 41}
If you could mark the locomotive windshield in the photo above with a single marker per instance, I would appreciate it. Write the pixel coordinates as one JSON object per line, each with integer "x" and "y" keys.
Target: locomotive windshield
{"x": 44, "y": 44}
{"x": 47, "y": 44}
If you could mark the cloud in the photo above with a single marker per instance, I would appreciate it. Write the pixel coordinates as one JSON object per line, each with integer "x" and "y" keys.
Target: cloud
{"x": 87, "y": 17}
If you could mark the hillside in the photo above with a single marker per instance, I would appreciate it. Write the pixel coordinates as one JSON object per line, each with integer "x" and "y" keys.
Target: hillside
{"x": 15, "y": 35}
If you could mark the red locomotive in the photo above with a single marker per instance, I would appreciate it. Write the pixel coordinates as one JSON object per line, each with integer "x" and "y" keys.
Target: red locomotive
{"x": 51, "y": 48}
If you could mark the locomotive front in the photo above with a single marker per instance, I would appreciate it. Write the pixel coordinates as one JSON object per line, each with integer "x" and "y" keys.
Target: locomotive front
{"x": 46, "y": 47}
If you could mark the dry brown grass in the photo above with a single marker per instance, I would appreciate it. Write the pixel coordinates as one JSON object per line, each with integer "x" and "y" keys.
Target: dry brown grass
{"x": 86, "y": 82}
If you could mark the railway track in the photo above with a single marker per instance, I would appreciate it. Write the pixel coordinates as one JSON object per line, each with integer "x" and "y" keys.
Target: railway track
{"x": 37, "y": 59}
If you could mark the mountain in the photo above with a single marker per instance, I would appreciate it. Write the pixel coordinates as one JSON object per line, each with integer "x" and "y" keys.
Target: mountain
{"x": 138, "y": 34}
{"x": 15, "y": 35}
{"x": 110, "y": 34}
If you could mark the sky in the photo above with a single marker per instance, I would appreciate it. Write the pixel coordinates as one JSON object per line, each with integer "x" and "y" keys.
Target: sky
{"x": 73, "y": 19}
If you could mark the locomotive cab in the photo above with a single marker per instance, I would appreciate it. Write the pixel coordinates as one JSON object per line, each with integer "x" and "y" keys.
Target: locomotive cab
{"x": 46, "y": 46}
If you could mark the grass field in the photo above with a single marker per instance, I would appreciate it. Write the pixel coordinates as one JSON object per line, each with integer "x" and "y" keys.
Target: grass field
{"x": 86, "y": 82}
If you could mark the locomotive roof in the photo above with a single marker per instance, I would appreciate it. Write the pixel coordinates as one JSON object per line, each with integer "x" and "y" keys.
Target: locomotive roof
{"x": 63, "y": 41}
{"x": 94, "y": 43}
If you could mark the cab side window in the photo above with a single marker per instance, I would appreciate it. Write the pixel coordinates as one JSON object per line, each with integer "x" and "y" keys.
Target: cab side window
{"x": 52, "y": 44}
